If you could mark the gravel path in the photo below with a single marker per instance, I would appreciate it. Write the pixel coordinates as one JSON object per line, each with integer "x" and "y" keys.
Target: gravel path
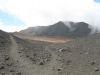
{"x": 26, "y": 66}
{"x": 22, "y": 61}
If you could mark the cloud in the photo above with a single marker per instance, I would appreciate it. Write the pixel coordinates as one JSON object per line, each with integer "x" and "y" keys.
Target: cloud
{"x": 10, "y": 28}
{"x": 1, "y": 23}
{"x": 46, "y": 12}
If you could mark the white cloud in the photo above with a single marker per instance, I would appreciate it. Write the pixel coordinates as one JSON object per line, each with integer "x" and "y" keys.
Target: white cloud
{"x": 45, "y": 12}
{"x": 10, "y": 28}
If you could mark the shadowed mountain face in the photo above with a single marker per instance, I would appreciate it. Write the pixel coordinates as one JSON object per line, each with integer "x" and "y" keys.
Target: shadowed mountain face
{"x": 71, "y": 30}
{"x": 58, "y": 29}
{"x": 80, "y": 29}
{"x": 34, "y": 30}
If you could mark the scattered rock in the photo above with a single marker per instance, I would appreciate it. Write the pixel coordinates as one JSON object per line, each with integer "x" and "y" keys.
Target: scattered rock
{"x": 63, "y": 50}
{"x": 27, "y": 55}
{"x": 1, "y": 67}
{"x": 92, "y": 62}
{"x": 59, "y": 69}
{"x": 9, "y": 64}
{"x": 22, "y": 66}
{"x": 96, "y": 68}
{"x": 72, "y": 66}
{"x": 3, "y": 73}
{"x": 87, "y": 53}
{"x": 68, "y": 61}
{"x": 18, "y": 73}
{"x": 6, "y": 57}
{"x": 11, "y": 70}
{"x": 41, "y": 63}
{"x": 53, "y": 68}
{"x": 19, "y": 52}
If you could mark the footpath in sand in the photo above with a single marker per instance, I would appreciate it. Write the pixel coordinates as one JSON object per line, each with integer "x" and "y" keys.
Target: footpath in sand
{"x": 27, "y": 68}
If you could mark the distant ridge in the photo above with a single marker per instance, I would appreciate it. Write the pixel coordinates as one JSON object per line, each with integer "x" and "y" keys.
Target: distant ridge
{"x": 61, "y": 29}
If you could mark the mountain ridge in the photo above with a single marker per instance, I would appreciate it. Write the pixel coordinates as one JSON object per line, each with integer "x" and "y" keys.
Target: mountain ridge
{"x": 69, "y": 30}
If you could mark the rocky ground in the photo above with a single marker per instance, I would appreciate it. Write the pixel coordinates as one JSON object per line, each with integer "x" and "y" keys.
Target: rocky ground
{"x": 80, "y": 57}
{"x": 27, "y": 57}
{"x": 6, "y": 62}
{"x": 38, "y": 55}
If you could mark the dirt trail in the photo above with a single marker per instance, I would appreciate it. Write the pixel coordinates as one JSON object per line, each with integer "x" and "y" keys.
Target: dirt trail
{"x": 29, "y": 68}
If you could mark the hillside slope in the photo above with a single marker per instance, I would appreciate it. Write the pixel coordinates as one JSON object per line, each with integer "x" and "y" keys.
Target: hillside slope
{"x": 79, "y": 29}
{"x": 80, "y": 57}
{"x": 4, "y": 38}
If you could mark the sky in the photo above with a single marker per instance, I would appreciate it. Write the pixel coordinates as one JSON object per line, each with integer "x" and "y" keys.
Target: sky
{"x": 16, "y": 15}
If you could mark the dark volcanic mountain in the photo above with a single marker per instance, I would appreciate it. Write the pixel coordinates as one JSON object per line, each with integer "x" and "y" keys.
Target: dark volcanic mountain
{"x": 79, "y": 29}
{"x": 34, "y": 30}
{"x": 58, "y": 29}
